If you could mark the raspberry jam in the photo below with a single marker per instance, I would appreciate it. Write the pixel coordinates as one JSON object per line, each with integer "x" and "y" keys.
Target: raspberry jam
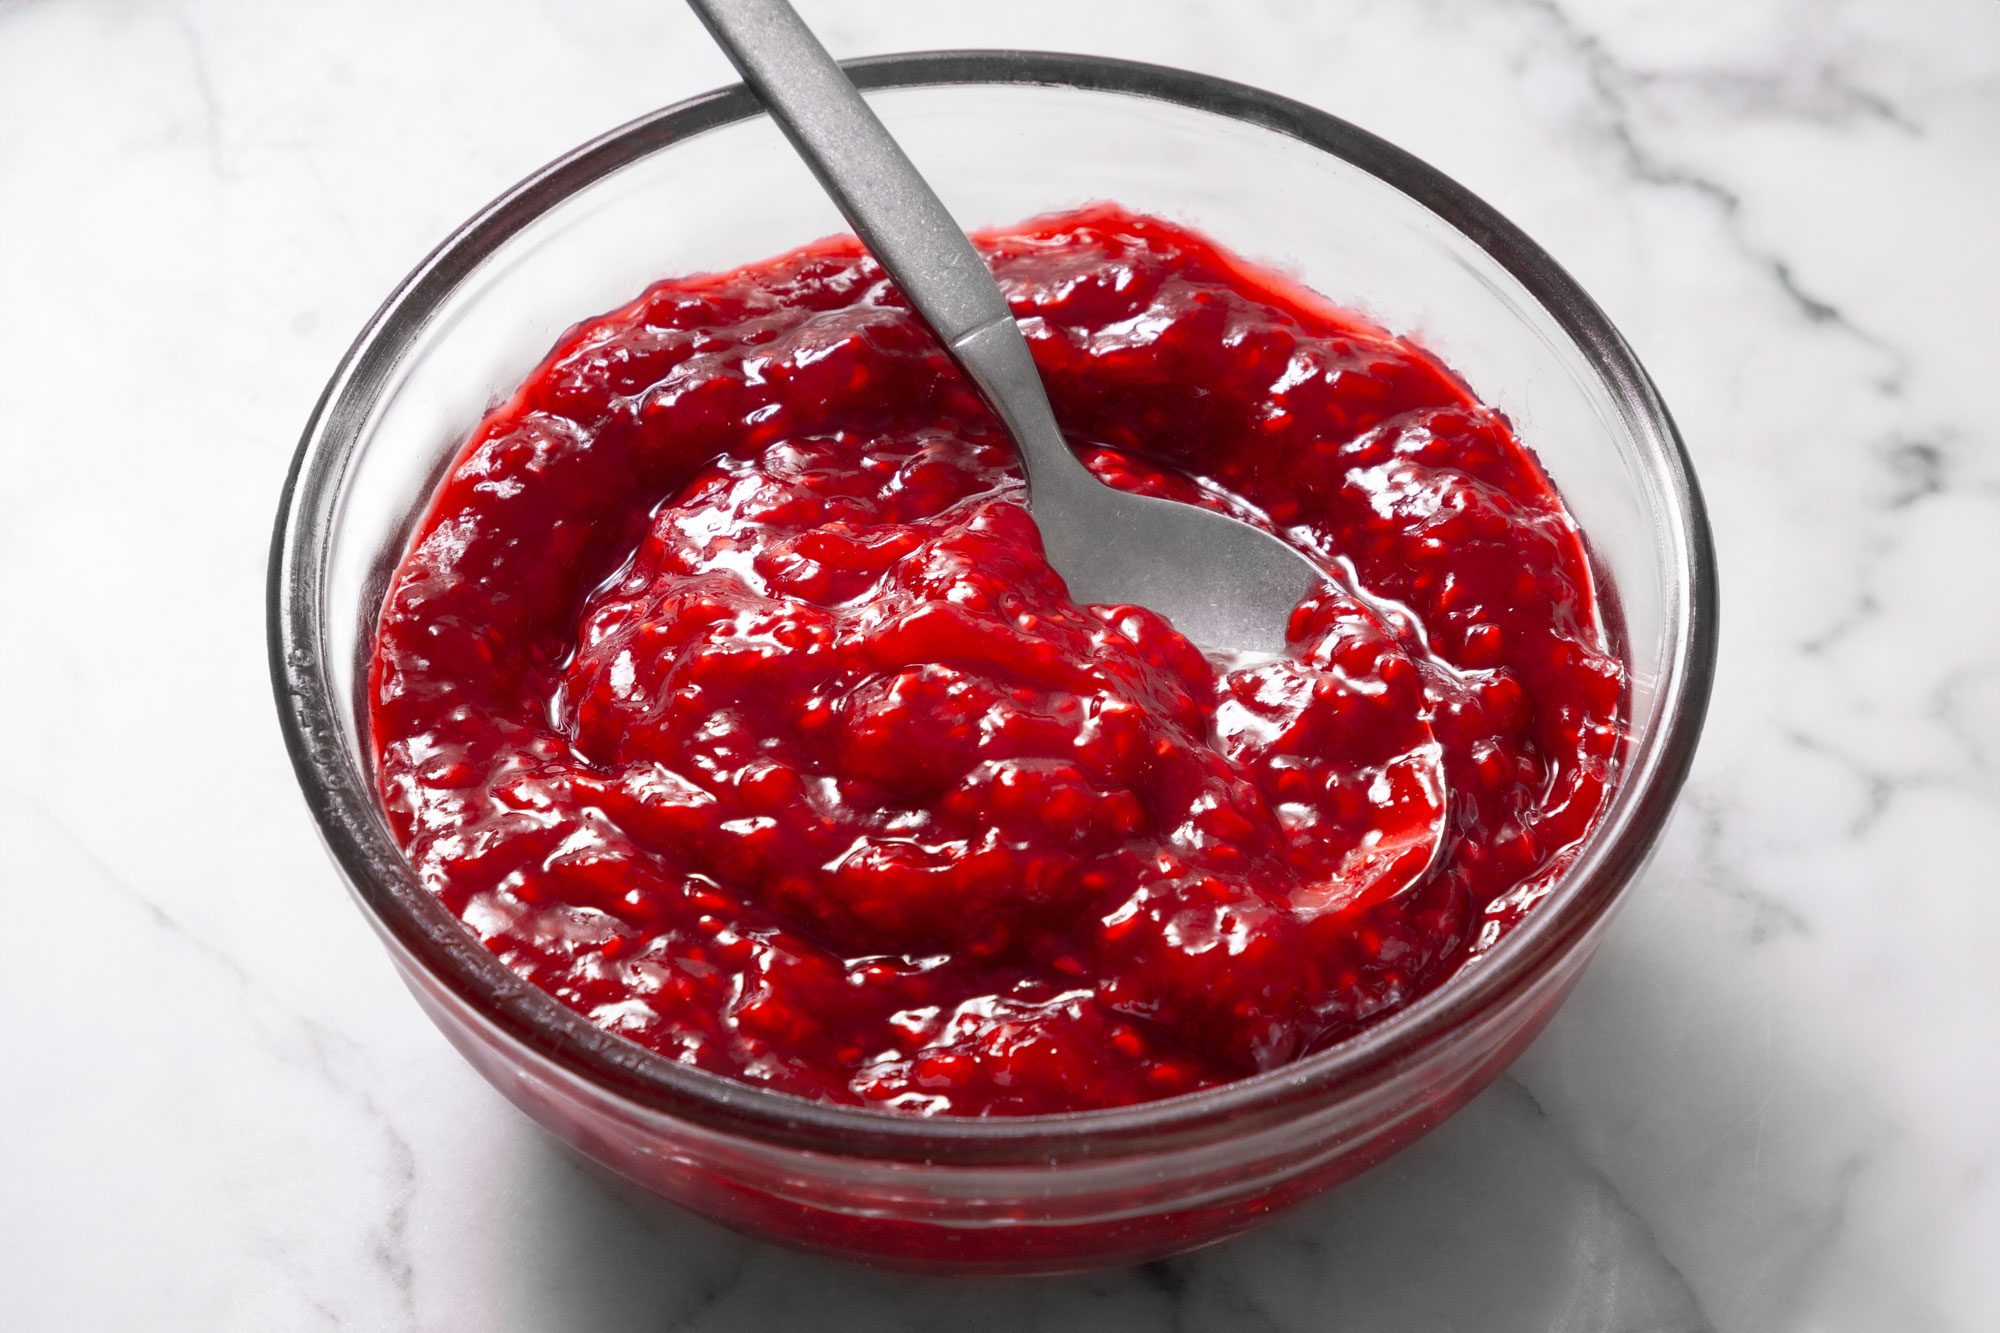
{"x": 724, "y": 691}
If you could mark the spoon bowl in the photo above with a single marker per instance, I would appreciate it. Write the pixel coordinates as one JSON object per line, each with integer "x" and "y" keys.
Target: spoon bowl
{"x": 1226, "y": 585}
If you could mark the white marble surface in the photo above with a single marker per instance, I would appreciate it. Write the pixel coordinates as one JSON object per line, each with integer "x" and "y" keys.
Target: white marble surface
{"x": 1773, "y": 1103}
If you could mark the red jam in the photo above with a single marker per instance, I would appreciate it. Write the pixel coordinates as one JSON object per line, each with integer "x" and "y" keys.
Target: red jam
{"x": 726, "y": 694}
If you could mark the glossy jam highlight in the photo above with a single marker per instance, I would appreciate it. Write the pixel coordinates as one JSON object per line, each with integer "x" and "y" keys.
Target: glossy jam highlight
{"x": 725, "y": 694}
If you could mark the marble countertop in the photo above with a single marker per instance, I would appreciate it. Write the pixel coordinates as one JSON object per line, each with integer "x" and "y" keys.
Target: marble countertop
{"x": 1773, "y": 1102}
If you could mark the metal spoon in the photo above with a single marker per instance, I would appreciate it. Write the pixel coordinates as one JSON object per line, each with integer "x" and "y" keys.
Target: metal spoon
{"x": 1225, "y": 584}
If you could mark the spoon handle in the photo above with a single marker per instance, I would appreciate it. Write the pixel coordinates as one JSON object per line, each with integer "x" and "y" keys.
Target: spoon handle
{"x": 897, "y": 215}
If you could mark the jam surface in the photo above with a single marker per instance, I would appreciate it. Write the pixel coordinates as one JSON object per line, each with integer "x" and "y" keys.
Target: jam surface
{"x": 724, "y": 691}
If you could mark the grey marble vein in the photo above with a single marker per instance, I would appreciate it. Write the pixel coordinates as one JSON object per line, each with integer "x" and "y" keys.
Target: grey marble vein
{"x": 1613, "y": 82}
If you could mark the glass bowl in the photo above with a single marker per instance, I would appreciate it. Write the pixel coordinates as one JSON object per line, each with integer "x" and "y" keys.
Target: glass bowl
{"x": 710, "y": 184}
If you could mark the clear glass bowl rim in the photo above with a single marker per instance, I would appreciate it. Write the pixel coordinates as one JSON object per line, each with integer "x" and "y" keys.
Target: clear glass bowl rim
{"x": 343, "y": 801}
